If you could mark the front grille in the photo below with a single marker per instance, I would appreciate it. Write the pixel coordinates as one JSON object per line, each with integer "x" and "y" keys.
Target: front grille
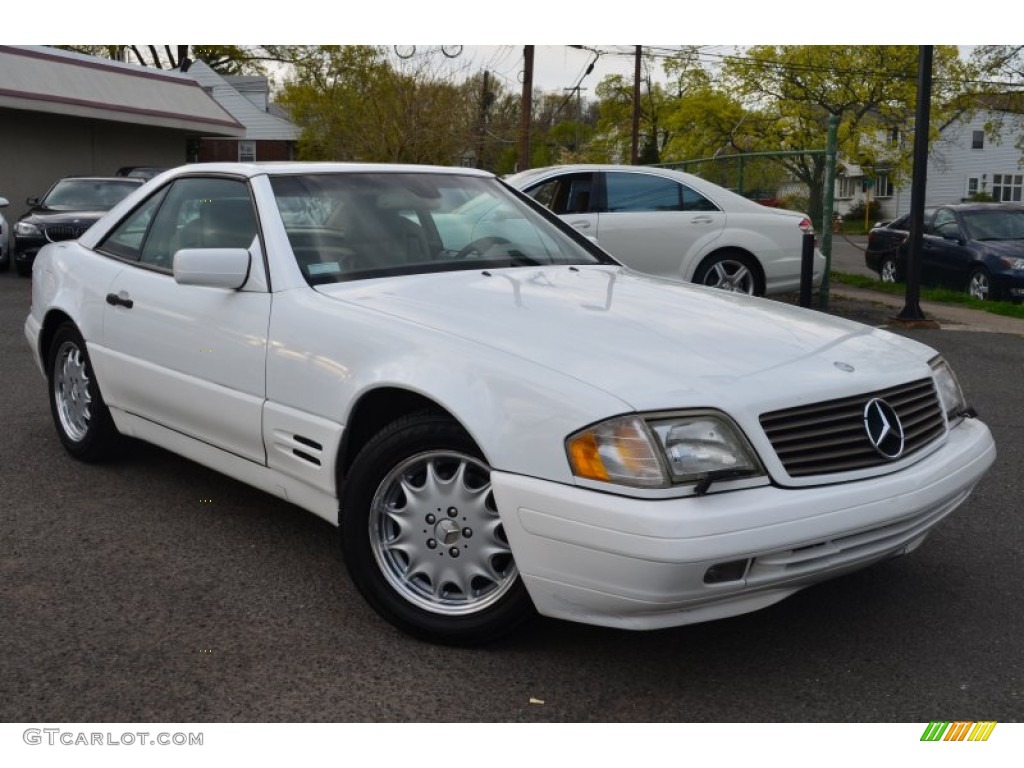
{"x": 829, "y": 437}
{"x": 56, "y": 232}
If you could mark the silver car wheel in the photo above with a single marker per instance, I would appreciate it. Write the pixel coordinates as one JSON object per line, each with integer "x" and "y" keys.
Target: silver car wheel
{"x": 979, "y": 285}
{"x": 732, "y": 276}
{"x": 437, "y": 537}
{"x": 888, "y": 271}
{"x": 71, "y": 391}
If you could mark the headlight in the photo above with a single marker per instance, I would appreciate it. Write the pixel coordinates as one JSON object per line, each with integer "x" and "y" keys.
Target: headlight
{"x": 661, "y": 450}
{"x": 26, "y": 228}
{"x": 950, "y": 395}
{"x": 1012, "y": 263}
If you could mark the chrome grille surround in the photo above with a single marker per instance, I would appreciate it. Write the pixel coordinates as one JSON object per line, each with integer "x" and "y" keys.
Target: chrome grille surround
{"x": 829, "y": 437}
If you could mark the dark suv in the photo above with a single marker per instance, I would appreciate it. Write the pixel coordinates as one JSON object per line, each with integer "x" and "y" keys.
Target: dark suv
{"x": 70, "y": 207}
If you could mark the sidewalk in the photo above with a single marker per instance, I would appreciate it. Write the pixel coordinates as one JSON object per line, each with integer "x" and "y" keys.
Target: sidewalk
{"x": 949, "y": 317}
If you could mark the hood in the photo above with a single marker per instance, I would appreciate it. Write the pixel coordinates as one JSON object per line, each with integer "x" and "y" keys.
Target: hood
{"x": 1010, "y": 249}
{"x": 652, "y": 343}
{"x": 44, "y": 216}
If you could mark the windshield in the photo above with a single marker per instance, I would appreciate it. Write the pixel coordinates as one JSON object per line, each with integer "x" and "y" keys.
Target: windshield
{"x": 88, "y": 194}
{"x": 995, "y": 225}
{"x": 359, "y": 225}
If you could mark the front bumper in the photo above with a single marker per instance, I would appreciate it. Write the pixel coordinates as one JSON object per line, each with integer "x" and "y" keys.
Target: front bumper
{"x": 1009, "y": 284}
{"x": 640, "y": 564}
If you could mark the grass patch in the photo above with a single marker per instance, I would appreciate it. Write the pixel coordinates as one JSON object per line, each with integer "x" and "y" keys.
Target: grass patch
{"x": 937, "y": 295}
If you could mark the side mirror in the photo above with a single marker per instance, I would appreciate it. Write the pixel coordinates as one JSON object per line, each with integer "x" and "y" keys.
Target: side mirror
{"x": 32, "y": 201}
{"x": 4, "y": 202}
{"x": 212, "y": 267}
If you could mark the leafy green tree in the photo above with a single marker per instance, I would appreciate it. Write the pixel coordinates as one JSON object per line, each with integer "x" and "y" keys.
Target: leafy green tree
{"x": 791, "y": 90}
{"x": 355, "y": 103}
{"x": 613, "y": 137}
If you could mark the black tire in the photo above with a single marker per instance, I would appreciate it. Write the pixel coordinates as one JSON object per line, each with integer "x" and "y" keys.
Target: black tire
{"x": 82, "y": 419}
{"x": 5, "y": 264}
{"x": 452, "y": 523}
{"x": 979, "y": 285}
{"x": 731, "y": 271}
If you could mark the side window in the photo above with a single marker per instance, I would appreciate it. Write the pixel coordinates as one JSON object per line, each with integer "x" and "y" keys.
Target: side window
{"x": 571, "y": 193}
{"x": 945, "y": 225}
{"x": 200, "y": 213}
{"x": 635, "y": 192}
{"x": 695, "y": 201}
{"x": 128, "y": 239}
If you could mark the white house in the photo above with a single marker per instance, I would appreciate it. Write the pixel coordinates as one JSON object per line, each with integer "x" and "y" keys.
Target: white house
{"x": 965, "y": 161}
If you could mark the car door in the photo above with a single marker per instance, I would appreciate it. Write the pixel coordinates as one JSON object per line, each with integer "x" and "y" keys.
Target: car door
{"x": 190, "y": 358}
{"x": 945, "y": 259}
{"x": 654, "y": 224}
{"x": 573, "y": 196}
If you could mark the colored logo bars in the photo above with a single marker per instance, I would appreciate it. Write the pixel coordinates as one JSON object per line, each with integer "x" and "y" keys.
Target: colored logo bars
{"x": 959, "y": 731}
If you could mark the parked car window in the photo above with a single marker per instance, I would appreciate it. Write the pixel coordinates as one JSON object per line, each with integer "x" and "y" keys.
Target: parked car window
{"x": 632, "y": 192}
{"x": 200, "y": 213}
{"x": 945, "y": 225}
{"x": 127, "y": 240}
{"x": 635, "y": 192}
{"x": 995, "y": 224}
{"x": 570, "y": 193}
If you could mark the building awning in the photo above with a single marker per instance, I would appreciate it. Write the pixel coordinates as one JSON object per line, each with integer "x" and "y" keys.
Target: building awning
{"x": 40, "y": 79}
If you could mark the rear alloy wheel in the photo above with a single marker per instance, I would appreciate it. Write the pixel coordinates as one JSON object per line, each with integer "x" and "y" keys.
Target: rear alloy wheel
{"x": 888, "y": 271}
{"x": 422, "y": 537}
{"x": 79, "y": 413}
{"x": 730, "y": 271}
{"x": 979, "y": 284}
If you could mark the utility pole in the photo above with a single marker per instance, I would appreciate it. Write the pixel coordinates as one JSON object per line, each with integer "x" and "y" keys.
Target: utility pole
{"x": 485, "y": 102}
{"x": 635, "y": 159}
{"x": 525, "y": 110}
{"x": 912, "y": 307}
{"x": 579, "y": 114}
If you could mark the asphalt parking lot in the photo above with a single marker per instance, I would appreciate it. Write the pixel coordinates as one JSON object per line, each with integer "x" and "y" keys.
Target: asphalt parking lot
{"x": 152, "y": 589}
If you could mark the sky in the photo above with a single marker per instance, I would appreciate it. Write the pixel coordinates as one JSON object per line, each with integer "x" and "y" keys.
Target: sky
{"x": 499, "y": 31}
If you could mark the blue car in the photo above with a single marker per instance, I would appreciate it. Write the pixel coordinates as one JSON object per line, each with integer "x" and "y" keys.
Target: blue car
{"x": 975, "y": 247}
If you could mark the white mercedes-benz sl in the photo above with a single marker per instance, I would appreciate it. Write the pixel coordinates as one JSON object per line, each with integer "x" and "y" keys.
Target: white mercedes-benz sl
{"x": 499, "y": 417}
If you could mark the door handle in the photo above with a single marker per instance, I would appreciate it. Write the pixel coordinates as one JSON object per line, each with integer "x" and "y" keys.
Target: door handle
{"x": 581, "y": 224}
{"x": 702, "y": 219}
{"x": 114, "y": 300}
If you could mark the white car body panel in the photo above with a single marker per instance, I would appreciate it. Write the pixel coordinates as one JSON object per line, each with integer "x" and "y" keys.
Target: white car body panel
{"x": 261, "y": 384}
{"x": 188, "y": 357}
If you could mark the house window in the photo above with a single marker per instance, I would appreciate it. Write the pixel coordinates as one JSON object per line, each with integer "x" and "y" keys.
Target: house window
{"x": 247, "y": 151}
{"x": 1007, "y": 187}
{"x": 972, "y": 186}
{"x": 848, "y": 186}
{"x": 978, "y": 140}
{"x": 883, "y": 185}
{"x": 894, "y": 137}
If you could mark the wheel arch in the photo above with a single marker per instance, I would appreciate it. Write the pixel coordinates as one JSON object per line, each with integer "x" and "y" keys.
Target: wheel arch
{"x": 374, "y": 410}
{"x": 54, "y": 319}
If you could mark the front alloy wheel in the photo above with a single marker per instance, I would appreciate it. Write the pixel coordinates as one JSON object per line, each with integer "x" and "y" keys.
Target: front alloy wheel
{"x": 422, "y": 536}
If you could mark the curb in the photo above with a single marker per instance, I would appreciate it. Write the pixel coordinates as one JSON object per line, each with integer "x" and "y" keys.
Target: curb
{"x": 948, "y": 317}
